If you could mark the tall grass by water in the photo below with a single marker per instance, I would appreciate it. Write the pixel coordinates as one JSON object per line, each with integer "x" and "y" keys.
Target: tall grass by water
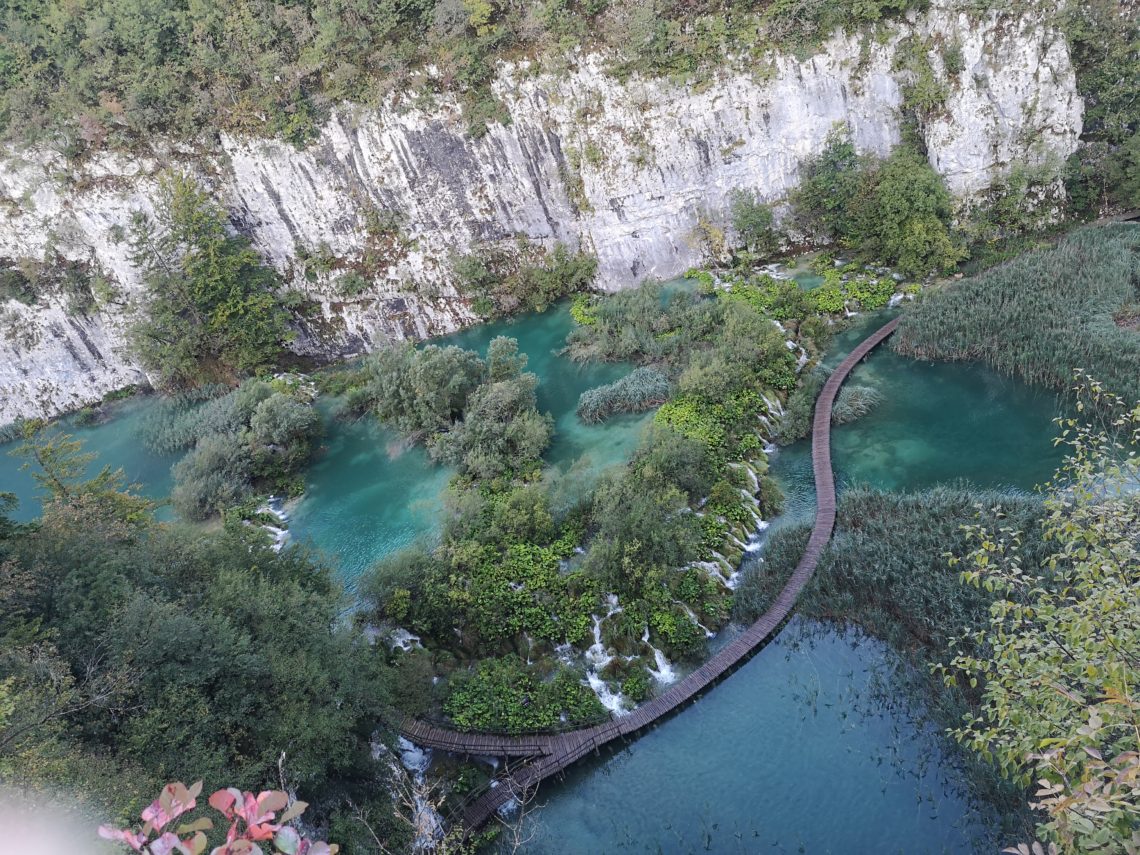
{"x": 1042, "y": 315}
{"x": 639, "y": 390}
{"x": 886, "y": 570}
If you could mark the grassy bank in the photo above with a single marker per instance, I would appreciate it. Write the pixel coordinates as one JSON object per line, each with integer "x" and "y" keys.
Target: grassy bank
{"x": 1043, "y": 314}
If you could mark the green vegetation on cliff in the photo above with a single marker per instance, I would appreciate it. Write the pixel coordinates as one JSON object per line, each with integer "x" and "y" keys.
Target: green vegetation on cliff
{"x": 117, "y": 71}
{"x": 210, "y": 312}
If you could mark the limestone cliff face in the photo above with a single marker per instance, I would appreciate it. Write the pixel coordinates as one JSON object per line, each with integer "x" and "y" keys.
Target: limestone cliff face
{"x": 622, "y": 169}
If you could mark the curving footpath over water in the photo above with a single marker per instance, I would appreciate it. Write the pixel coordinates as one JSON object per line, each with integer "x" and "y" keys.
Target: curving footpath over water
{"x": 551, "y": 753}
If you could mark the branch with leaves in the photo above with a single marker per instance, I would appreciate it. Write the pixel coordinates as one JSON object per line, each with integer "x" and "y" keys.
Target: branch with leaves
{"x": 253, "y": 822}
{"x": 1057, "y": 663}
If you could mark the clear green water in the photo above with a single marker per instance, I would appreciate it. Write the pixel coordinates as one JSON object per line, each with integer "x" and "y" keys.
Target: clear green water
{"x": 115, "y": 442}
{"x": 801, "y": 750}
{"x": 368, "y": 495}
{"x": 938, "y": 423}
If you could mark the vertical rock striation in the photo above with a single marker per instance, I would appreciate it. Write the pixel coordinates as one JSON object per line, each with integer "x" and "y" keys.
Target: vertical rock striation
{"x": 621, "y": 169}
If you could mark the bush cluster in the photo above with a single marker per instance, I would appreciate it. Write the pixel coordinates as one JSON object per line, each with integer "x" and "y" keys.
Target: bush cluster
{"x": 135, "y": 652}
{"x": 528, "y": 279}
{"x": 478, "y": 414}
{"x": 896, "y": 211}
{"x": 253, "y": 439}
{"x": 506, "y": 695}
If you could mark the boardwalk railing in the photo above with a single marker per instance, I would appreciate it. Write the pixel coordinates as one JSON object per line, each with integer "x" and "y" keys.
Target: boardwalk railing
{"x": 553, "y": 752}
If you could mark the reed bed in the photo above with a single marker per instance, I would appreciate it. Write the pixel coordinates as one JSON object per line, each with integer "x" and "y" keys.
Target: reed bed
{"x": 1042, "y": 315}
{"x": 639, "y": 390}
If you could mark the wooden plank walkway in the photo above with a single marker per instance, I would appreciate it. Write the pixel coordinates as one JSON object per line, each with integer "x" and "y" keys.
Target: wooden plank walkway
{"x": 551, "y": 753}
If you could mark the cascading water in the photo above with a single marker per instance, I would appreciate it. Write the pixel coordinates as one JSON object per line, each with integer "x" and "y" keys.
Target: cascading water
{"x": 401, "y": 638}
{"x": 598, "y": 658}
{"x": 275, "y": 507}
{"x": 426, "y": 820}
{"x": 693, "y": 617}
{"x": 412, "y": 770}
{"x": 664, "y": 673}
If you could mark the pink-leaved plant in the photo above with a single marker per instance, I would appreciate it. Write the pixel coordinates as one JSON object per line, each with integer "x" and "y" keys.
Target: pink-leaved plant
{"x": 253, "y": 821}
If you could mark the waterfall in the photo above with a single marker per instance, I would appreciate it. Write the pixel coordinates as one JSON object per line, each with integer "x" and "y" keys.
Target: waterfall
{"x": 693, "y": 617}
{"x": 426, "y": 820}
{"x": 413, "y": 766}
{"x": 598, "y": 658}
{"x": 275, "y": 508}
{"x": 664, "y": 673}
{"x": 401, "y": 638}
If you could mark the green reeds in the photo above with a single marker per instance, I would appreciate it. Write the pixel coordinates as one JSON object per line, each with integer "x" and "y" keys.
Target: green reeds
{"x": 639, "y": 390}
{"x": 1042, "y": 315}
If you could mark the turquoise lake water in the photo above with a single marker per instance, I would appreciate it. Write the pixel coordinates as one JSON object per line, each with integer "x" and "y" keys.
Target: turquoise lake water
{"x": 368, "y": 495}
{"x": 811, "y": 746}
{"x": 803, "y": 748}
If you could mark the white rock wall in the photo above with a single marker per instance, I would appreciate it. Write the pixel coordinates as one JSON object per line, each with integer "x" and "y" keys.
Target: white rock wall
{"x": 620, "y": 169}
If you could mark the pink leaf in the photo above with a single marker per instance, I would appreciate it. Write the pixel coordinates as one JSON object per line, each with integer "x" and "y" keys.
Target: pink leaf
{"x": 123, "y": 835}
{"x": 223, "y": 801}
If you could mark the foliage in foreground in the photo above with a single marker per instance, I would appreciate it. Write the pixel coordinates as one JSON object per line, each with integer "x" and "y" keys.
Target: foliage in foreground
{"x": 134, "y": 652}
{"x": 253, "y": 821}
{"x": 1042, "y": 315}
{"x": 1059, "y": 656}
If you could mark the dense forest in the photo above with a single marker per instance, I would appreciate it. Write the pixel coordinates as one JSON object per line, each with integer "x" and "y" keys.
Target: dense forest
{"x": 84, "y": 76}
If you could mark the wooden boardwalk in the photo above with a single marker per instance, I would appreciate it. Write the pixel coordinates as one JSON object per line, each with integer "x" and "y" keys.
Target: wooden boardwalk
{"x": 551, "y": 753}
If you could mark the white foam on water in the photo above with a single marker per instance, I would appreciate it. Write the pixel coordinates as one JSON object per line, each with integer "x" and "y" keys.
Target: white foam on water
{"x": 275, "y": 507}
{"x": 426, "y": 820}
{"x": 693, "y": 617}
{"x": 401, "y": 638}
{"x": 598, "y": 658}
{"x": 664, "y": 673}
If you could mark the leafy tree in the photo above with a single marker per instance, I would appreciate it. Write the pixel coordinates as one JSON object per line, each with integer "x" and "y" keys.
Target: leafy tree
{"x": 422, "y": 390}
{"x": 256, "y": 437}
{"x": 829, "y": 187}
{"x": 897, "y": 211}
{"x": 169, "y": 650}
{"x": 501, "y": 431}
{"x": 527, "y": 278}
{"x": 210, "y": 312}
{"x": 752, "y": 220}
{"x": 1059, "y": 659}
{"x": 904, "y": 218}
{"x": 504, "y": 362}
